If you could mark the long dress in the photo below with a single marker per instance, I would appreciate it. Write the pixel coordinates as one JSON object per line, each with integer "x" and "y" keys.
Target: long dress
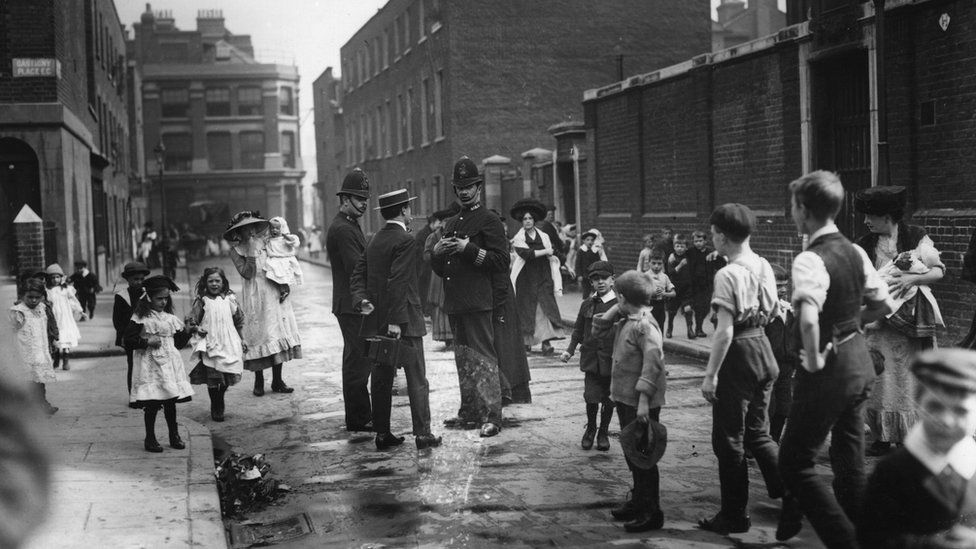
{"x": 890, "y": 411}
{"x": 159, "y": 375}
{"x": 65, "y": 305}
{"x": 218, "y": 357}
{"x": 32, "y": 343}
{"x": 538, "y": 310}
{"x": 439, "y": 321}
{"x": 270, "y": 329}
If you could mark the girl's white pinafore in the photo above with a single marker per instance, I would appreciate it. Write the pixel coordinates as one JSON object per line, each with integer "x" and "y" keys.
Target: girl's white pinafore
{"x": 159, "y": 374}
{"x": 221, "y": 349}
{"x": 65, "y": 305}
{"x": 35, "y": 356}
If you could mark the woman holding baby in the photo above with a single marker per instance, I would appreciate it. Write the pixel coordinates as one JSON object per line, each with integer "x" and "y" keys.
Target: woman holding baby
{"x": 908, "y": 261}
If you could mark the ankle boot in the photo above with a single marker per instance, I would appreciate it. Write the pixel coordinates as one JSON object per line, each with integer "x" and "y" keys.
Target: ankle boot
{"x": 149, "y": 418}
{"x": 625, "y": 511}
{"x": 277, "y": 383}
{"x": 602, "y": 436}
{"x": 216, "y": 403}
{"x": 648, "y": 514}
{"x": 64, "y": 360}
{"x": 258, "y": 383}
{"x": 588, "y": 435}
{"x": 169, "y": 411}
{"x": 691, "y": 327}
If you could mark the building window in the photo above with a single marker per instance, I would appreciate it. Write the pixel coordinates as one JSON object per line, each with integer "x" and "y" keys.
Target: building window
{"x": 425, "y": 108}
{"x": 175, "y": 103}
{"x": 406, "y": 30}
{"x": 366, "y": 59}
{"x": 286, "y": 101}
{"x": 179, "y": 152}
{"x": 435, "y": 193}
{"x": 362, "y": 138}
{"x": 376, "y": 56}
{"x": 218, "y": 102}
{"x": 249, "y": 101}
{"x": 438, "y": 110}
{"x": 396, "y": 38}
{"x": 252, "y": 150}
{"x": 421, "y": 21}
{"x": 348, "y": 151}
{"x": 386, "y": 48}
{"x": 409, "y": 119}
{"x": 218, "y": 151}
{"x": 359, "y": 67}
{"x": 288, "y": 149}
{"x": 389, "y": 132}
{"x": 380, "y": 133}
{"x": 400, "y": 123}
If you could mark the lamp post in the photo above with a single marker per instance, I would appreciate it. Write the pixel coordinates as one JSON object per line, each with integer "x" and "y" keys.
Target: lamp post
{"x": 160, "y": 151}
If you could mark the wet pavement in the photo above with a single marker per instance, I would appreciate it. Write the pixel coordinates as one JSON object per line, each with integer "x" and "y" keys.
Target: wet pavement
{"x": 530, "y": 486}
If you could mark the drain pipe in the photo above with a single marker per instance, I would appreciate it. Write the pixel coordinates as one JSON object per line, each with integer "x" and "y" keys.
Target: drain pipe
{"x": 884, "y": 177}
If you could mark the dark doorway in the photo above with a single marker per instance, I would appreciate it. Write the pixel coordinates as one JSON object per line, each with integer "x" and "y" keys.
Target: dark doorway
{"x": 567, "y": 184}
{"x": 842, "y": 126}
{"x": 19, "y": 186}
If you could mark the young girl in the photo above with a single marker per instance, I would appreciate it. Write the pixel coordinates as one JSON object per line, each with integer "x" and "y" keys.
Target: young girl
{"x": 282, "y": 266}
{"x": 158, "y": 376}
{"x": 218, "y": 351}
{"x": 65, "y": 304}
{"x": 37, "y": 334}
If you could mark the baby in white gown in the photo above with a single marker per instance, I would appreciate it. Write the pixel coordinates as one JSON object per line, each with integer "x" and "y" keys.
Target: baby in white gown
{"x": 282, "y": 266}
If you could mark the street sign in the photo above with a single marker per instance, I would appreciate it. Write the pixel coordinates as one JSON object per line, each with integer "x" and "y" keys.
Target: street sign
{"x": 27, "y": 67}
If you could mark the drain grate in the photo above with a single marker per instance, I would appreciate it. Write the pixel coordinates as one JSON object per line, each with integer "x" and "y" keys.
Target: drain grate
{"x": 259, "y": 534}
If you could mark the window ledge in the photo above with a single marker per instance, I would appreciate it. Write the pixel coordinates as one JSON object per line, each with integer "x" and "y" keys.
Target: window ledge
{"x": 435, "y": 27}
{"x": 438, "y": 139}
{"x": 406, "y": 51}
{"x": 422, "y": 39}
{"x": 425, "y": 144}
{"x": 396, "y": 58}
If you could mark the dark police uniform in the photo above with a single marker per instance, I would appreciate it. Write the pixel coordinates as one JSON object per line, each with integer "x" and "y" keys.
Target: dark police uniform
{"x": 345, "y": 244}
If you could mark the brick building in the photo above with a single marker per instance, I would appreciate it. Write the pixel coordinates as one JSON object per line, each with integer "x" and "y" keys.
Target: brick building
{"x": 738, "y": 22}
{"x": 228, "y": 124}
{"x": 64, "y": 130}
{"x": 739, "y": 124}
{"x": 425, "y": 81}
{"x": 329, "y": 145}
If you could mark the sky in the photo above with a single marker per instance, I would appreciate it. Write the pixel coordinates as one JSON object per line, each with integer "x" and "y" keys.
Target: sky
{"x": 309, "y": 31}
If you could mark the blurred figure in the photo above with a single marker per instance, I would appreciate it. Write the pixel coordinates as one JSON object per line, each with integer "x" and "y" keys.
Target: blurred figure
{"x": 86, "y": 285}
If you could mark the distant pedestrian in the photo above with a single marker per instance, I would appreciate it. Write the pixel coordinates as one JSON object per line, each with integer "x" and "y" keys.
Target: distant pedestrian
{"x": 86, "y": 285}
{"x": 213, "y": 247}
{"x": 740, "y": 372}
{"x": 638, "y": 382}
{"x": 64, "y": 303}
{"x": 662, "y": 289}
{"x": 665, "y": 243}
{"x": 782, "y": 334}
{"x": 440, "y": 323}
{"x": 37, "y": 334}
{"x": 701, "y": 280}
{"x": 315, "y": 242}
{"x": 568, "y": 235}
{"x": 644, "y": 257}
{"x": 679, "y": 271}
{"x": 586, "y": 256}
{"x": 547, "y": 224}
{"x": 159, "y": 377}
{"x": 534, "y": 276}
{"x": 282, "y": 265}
{"x": 217, "y": 348}
{"x": 596, "y": 354}
{"x": 125, "y": 299}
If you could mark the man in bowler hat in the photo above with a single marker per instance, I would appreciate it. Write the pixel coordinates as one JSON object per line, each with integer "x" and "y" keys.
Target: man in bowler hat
{"x": 345, "y": 243}
{"x": 385, "y": 286}
{"x": 472, "y": 249}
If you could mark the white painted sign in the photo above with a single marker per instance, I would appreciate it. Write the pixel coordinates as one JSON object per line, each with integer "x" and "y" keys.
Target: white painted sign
{"x": 27, "y": 67}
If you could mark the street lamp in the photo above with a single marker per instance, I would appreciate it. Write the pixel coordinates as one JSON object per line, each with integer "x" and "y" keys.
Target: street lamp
{"x": 160, "y": 151}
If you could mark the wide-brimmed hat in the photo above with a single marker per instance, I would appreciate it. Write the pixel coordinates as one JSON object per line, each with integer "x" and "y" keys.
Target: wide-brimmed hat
{"x": 242, "y": 219}
{"x": 644, "y": 444}
{"x": 356, "y": 184}
{"x": 159, "y": 282}
{"x": 134, "y": 268}
{"x": 54, "y": 269}
{"x": 530, "y": 205}
{"x": 885, "y": 200}
{"x": 465, "y": 173}
{"x": 393, "y": 198}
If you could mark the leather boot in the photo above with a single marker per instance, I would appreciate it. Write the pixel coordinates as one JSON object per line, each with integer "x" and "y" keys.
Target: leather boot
{"x": 216, "y": 408}
{"x": 258, "y": 383}
{"x": 691, "y": 327}
{"x": 149, "y": 418}
{"x": 625, "y": 511}
{"x": 169, "y": 412}
{"x": 588, "y": 436}
{"x": 64, "y": 360}
{"x": 602, "y": 436}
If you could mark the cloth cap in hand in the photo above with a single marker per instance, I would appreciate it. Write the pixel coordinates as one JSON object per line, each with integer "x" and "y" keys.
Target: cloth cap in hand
{"x": 951, "y": 369}
{"x": 644, "y": 444}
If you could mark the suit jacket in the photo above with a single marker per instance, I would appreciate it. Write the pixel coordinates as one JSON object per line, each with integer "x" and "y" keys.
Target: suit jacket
{"x": 386, "y": 275}
{"x": 344, "y": 244}
{"x": 906, "y": 507}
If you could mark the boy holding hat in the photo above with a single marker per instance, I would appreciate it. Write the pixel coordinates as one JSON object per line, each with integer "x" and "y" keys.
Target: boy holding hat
{"x": 595, "y": 355}
{"x": 126, "y": 297}
{"x": 637, "y": 384}
{"x": 923, "y": 494}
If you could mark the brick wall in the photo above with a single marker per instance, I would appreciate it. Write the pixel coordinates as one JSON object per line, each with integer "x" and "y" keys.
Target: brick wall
{"x": 26, "y": 32}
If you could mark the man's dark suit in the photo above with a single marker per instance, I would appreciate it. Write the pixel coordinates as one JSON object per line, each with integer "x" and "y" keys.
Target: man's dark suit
{"x": 345, "y": 244}
{"x": 386, "y": 275}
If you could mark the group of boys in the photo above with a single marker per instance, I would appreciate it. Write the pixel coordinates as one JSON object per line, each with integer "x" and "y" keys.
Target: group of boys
{"x": 922, "y": 495}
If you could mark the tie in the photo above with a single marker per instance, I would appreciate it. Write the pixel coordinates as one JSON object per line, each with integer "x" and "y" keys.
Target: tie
{"x": 953, "y": 484}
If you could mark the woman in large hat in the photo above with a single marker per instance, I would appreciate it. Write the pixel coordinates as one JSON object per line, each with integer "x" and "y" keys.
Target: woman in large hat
{"x": 907, "y": 259}
{"x": 532, "y": 277}
{"x": 270, "y": 330}
{"x": 440, "y": 324}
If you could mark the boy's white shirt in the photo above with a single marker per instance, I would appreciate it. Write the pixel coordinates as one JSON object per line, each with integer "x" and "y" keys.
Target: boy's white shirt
{"x": 962, "y": 456}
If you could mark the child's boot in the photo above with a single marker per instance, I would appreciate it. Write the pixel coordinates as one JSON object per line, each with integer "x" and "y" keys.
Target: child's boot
{"x": 277, "y": 383}
{"x": 648, "y": 516}
{"x": 670, "y": 326}
{"x": 625, "y": 511}
{"x": 690, "y": 324}
{"x": 216, "y": 403}
{"x": 65, "y": 354}
{"x": 590, "y": 432}
{"x": 149, "y": 416}
{"x": 258, "y": 383}
{"x": 602, "y": 436}
{"x": 169, "y": 411}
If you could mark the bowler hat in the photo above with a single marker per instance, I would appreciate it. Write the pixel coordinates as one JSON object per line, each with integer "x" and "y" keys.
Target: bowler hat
{"x": 599, "y": 268}
{"x": 242, "y": 219}
{"x": 54, "y": 269}
{"x": 530, "y": 205}
{"x": 134, "y": 268}
{"x": 394, "y": 198}
{"x": 644, "y": 444}
{"x": 356, "y": 184}
{"x": 885, "y": 200}
{"x": 159, "y": 282}
{"x": 953, "y": 369}
{"x": 465, "y": 173}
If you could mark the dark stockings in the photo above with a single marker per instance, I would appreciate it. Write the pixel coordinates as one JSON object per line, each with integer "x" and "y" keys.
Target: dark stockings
{"x": 217, "y": 402}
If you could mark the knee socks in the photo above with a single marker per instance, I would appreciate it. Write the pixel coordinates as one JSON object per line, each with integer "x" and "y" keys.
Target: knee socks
{"x": 605, "y": 416}
{"x": 149, "y": 416}
{"x": 169, "y": 412}
{"x": 591, "y": 411}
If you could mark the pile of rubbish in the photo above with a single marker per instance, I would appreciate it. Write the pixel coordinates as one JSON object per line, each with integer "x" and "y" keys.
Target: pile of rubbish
{"x": 244, "y": 484}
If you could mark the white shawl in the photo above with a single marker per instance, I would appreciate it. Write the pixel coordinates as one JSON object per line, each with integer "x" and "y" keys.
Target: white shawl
{"x": 518, "y": 241}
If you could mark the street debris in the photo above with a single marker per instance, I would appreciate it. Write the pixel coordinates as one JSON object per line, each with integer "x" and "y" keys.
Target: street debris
{"x": 244, "y": 484}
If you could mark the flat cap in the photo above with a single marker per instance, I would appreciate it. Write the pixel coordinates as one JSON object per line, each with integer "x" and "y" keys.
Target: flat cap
{"x": 953, "y": 369}
{"x": 884, "y": 200}
{"x": 599, "y": 268}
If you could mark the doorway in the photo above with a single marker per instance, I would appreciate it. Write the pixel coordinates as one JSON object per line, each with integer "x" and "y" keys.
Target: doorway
{"x": 20, "y": 185}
